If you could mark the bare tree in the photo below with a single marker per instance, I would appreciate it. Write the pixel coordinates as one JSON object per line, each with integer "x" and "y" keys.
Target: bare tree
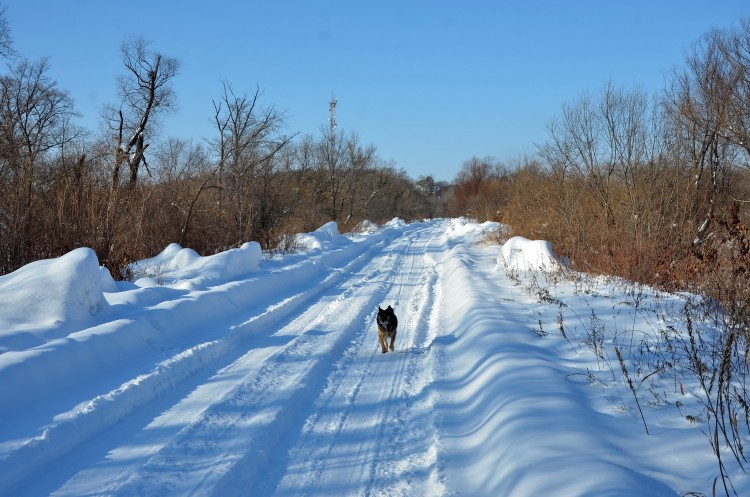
{"x": 34, "y": 114}
{"x": 6, "y": 41}
{"x": 332, "y": 167}
{"x": 183, "y": 173}
{"x": 473, "y": 188}
{"x": 734, "y": 47}
{"x": 145, "y": 91}
{"x": 708, "y": 102}
{"x": 611, "y": 176}
{"x": 306, "y": 173}
{"x": 358, "y": 192}
{"x": 248, "y": 138}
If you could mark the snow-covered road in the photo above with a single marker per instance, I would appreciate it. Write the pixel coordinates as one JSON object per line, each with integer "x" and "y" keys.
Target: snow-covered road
{"x": 250, "y": 413}
{"x": 271, "y": 382}
{"x": 304, "y": 377}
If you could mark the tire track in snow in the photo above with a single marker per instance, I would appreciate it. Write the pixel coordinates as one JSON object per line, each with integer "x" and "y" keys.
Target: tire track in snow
{"x": 372, "y": 432}
{"x": 268, "y": 395}
{"x": 301, "y": 409}
{"x": 90, "y": 419}
{"x": 416, "y": 472}
{"x": 335, "y": 381}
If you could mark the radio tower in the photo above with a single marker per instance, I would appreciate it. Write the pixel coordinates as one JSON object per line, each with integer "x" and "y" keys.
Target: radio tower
{"x": 332, "y": 123}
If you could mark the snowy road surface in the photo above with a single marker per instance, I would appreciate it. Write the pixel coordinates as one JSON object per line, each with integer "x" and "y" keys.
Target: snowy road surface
{"x": 271, "y": 382}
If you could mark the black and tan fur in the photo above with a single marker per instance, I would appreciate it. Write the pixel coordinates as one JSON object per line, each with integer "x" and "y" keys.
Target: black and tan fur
{"x": 387, "y": 326}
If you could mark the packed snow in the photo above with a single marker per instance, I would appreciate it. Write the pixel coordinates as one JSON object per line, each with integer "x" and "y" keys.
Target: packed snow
{"x": 244, "y": 374}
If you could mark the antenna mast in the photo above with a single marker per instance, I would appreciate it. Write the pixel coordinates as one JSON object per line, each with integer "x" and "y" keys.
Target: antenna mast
{"x": 332, "y": 122}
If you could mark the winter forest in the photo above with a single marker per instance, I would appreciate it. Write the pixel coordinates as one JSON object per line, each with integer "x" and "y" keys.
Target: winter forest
{"x": 644, "y": 186}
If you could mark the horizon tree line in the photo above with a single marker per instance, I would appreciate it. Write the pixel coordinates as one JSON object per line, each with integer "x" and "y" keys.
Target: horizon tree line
{"x": 127, "y": 192}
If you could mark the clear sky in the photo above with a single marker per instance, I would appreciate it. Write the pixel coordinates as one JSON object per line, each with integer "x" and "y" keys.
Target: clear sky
{"x": 429, "y": 83}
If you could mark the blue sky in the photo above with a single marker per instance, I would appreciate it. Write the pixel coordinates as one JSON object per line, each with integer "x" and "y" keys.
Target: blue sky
{"x": 429, "y": 83}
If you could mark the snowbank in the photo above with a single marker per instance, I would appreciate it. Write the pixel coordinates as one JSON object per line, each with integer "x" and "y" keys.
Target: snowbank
{"x": 326, "y": 237}
{"x": 512, "y": 422}
{"x": 522, "y": 254}
{"x": 396, "y": 222}
{"x": 464, "y": 227}
{"x": 184, "y": 268}
{"x": 366, "y": 227}
{"x": 52, "y": 291}
{"x": 172, "y": 258}
{"x": 225, "y": 266}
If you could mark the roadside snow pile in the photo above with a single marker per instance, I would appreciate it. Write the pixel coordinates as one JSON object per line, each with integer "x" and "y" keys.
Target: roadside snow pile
{"x": 229, "y": 265}
{"x": 464, "y": 227}
{"x": 324, "y": 238}
{"x": 396, "y": 222}
{"x": 366, "y": 227}
{"x": 173, "y": 258}
{"x": 522, "y": 254}
{"x": 184, "y": 268}
{"x": 52, "y": 291}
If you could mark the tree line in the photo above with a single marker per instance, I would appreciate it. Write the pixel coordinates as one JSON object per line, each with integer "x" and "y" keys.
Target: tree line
{"x": 646, "y": 186}
{"x": 126, "y": 192}
{"x": 626, "y": 183}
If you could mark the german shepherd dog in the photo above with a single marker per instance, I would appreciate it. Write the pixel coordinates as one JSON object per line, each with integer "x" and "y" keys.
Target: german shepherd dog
{"x": 387, "y": 324}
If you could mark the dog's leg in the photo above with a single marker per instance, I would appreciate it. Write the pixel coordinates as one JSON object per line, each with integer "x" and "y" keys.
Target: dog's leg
{"x": 393, "y": 338}
{"x": 381, "y": 339}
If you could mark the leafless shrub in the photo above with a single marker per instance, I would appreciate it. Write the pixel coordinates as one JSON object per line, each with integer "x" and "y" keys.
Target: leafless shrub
{"x": 629, "y": 381}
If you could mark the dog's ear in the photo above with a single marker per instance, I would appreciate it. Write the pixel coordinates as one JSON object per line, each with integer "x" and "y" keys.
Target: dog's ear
{"x": 390, "y": 308}
{"x": 379, "y": 309}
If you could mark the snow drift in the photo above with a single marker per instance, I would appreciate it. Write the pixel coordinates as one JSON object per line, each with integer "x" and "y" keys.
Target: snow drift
{"x": 522, "y": 254}
{"x": 325, "y": 237}
{"x": 187, "y": 269}
{"x": 53, "y": 291}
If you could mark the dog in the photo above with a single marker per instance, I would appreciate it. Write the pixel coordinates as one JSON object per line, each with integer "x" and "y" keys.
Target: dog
{"x": 387, "y": 326}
